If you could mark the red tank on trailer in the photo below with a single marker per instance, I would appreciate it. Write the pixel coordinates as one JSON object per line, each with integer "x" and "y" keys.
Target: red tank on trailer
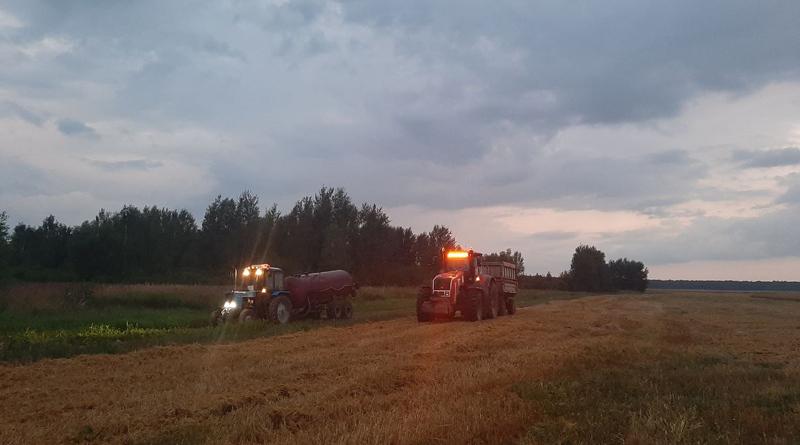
{"x": 321, "y": 287}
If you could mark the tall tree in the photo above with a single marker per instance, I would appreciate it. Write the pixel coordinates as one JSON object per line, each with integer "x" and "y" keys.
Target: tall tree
{"x": 218, "y": 235}
{"x": 373, "y": 251}
{"x": 429, "y": 247}
{"x": 44, "y": 246}
{"x": 4, "y": 248}
{"x": 268, "y": 233}
{"x": 588, "y": 270}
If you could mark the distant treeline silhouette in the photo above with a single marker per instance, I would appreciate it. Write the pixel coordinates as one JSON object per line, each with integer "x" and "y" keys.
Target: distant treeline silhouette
{"x": 321, "y": 232}
{"x": 589, "y": 272}
{"x": 772, "y": 286}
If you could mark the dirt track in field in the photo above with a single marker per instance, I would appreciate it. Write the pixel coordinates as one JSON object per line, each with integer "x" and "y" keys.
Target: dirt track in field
{"x": 391, "y": 382}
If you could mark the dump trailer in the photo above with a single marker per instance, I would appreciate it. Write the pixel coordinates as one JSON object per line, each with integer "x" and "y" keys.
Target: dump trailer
{"x": 262, "y": 292}
{"x": 505, "y": 274}
{"x": 465, "y": 286}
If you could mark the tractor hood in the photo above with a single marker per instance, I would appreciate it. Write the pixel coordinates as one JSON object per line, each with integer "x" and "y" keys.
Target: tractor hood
{"x": 444, "y": 281}
{"x": 233, "y": 300}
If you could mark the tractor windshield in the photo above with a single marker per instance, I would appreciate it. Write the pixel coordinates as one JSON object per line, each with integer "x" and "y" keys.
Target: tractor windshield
{"x": 254, "y": 279}
{"x": 267, "y": 280}
{"x": 456, "y": 264}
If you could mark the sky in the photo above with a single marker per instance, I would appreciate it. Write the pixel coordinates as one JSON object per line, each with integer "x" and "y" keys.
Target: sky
{"x": 662, "y": 131}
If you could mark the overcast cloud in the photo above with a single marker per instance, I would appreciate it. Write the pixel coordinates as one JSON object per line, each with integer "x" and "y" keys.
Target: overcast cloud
{"x": 661, "y": 131}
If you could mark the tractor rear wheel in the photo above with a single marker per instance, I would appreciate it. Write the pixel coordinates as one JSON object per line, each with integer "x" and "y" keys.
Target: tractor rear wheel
{"x": 490, "y": 303}
{"x": 216, "y": 319}
{"x": 280, "y": 310}
{"x": 474, "y": 305}
{"x": 423, "y": 295}
{"x": 248, "y": 315}
{"x": 334, "y": 310}
{"x": 347, "y": 310}
{"x": 511, "y": 306}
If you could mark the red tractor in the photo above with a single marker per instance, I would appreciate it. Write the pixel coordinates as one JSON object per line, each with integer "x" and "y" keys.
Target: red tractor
{"x": 465, "y": 284}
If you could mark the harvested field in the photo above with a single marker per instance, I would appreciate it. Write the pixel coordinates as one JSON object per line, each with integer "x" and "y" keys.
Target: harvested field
{"x": 578, "y": 371}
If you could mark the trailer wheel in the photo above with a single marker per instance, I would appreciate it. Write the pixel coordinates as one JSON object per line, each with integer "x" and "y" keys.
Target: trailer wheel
{"x": 280, "y": 310}
{"x": 334, "y": 310}
{"x": 501, "y": 304}
{"x": 422, "y": 296}
{"x": 248, "y": 315}
{"x": 511, "y": 306}
{"x": 490, "y": 303}
{"x": 347, "y": 310}
{"x": 216, "y": 319}
{"x": 474, "y": 306}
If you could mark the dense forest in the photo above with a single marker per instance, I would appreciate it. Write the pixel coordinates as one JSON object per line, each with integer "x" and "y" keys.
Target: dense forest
{"x": 321, "y": 232}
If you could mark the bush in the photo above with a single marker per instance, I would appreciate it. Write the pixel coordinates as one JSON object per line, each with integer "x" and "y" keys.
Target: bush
{"x": 628, "y": 275}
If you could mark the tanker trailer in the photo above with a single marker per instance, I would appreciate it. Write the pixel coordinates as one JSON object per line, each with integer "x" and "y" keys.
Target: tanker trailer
{"x": 323, "y": 292}
{"x": 261, "y": 292}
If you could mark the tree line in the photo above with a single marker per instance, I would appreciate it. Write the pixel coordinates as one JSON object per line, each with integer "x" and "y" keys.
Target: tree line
{"x": 321, "y": 232}
{"x": 589, "y": 272}
{"x": 727, "y": 285}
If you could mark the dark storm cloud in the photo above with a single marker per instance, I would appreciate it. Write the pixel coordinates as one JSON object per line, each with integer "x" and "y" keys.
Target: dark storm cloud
{"x": 768, "y": 158}
{"x": 609, "y": 61}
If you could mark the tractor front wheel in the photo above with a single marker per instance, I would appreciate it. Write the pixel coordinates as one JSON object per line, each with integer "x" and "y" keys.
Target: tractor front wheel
{"x": 248, "y": 315}
{"x": 474, "y": 306}
{"x": 422, "y": 296}
{"x": 216, "y": 319}
{"x": 231, "y": 317}
{"x": 280, "y": 310}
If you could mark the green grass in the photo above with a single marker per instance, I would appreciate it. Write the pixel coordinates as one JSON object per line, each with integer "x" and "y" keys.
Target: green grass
{"x": 113, "y": 317}
{"x": 664, "y": 397}
{"x": 132, "y": 319}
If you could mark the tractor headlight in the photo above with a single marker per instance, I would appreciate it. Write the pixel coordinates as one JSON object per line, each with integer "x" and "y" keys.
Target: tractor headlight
{"x": 229, "y": 305}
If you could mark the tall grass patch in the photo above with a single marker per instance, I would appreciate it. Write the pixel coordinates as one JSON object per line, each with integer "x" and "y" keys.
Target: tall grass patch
{"x": 37, "y": 298}
{"x": 664, "y": 397}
